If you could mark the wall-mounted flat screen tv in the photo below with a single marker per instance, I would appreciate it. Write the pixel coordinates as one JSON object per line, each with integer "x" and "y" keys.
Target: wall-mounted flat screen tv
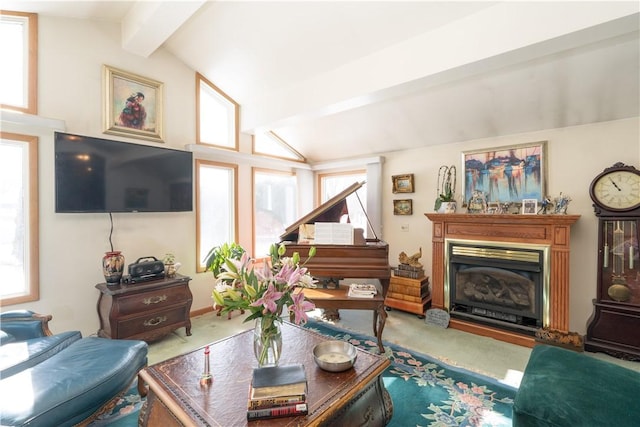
{"x": 100, "y": 175}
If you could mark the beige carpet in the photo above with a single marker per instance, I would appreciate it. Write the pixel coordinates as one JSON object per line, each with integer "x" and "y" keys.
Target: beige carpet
{"x": 485, "y": 355}
{"x": 488, "y": 356}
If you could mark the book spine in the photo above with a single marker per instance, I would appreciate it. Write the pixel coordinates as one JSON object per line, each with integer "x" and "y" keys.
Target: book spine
{"x": 282, "y": 411}
{"x": 276, "y": 402}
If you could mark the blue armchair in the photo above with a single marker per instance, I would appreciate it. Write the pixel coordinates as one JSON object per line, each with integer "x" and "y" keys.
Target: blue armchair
{"x": 60, "y": 379}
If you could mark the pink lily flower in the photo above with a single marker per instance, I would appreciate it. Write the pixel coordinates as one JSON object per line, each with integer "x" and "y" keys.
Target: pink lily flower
{"x": 300, "y": 307}
{"x": 268, "y": 299}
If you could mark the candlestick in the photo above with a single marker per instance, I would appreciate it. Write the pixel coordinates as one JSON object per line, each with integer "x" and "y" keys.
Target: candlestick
{"x": 206, "y": 377}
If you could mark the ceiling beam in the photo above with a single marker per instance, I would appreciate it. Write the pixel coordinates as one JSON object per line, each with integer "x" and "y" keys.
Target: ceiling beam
{"x": 148, "y": 24}
{"x": 505, "y": 34}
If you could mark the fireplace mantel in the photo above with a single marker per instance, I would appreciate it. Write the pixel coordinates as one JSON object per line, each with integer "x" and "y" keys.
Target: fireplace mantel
{"x": 552, "y": 230}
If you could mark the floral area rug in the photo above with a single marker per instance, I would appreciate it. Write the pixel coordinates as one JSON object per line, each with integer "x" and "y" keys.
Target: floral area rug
{"x": 427, "y": 392}
{"x": 124, "y": 413}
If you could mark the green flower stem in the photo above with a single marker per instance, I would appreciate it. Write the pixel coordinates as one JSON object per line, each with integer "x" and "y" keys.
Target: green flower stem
{"x": 268, "y": 335}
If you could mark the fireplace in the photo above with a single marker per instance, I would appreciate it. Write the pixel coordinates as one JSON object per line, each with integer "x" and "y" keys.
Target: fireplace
{"x": 551, "y": 233}
{"x": 504, "y": 285}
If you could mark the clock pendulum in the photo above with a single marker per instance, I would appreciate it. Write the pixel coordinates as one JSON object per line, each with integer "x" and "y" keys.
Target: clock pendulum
{"x": 619, "y": 290}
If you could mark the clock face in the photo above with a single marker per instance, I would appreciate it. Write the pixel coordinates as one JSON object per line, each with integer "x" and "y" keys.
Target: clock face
{"x": 617, "y": 190}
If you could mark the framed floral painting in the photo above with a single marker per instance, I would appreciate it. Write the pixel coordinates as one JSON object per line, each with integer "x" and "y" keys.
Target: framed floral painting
{"x": 403, "y": 207}
{"x": 402, "y": 183}
{"x": 132, "y": 105}
{"x": 506, "y": 174}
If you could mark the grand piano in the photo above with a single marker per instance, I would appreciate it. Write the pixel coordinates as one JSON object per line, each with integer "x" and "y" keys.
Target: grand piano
{"x": 366, "y": 259}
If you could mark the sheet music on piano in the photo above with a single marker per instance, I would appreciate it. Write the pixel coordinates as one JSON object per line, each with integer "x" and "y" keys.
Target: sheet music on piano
{"x": 333, "y": 233}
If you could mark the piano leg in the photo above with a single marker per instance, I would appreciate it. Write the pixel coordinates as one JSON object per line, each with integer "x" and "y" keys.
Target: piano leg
{"x": 379, "y": 319}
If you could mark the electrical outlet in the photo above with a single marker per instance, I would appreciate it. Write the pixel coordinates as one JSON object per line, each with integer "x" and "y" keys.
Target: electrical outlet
{"x": 404, "y": 227}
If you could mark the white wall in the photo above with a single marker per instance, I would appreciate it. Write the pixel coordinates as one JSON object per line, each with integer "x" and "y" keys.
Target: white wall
{"x": 71, "y": 54}
{"x": 575, "y": 156}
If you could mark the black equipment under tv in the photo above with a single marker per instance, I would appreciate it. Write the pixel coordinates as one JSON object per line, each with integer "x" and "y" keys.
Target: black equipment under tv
{"x": 101, "y": 175}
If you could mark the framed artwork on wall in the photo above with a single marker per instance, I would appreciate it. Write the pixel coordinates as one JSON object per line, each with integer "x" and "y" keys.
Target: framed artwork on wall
{"x": 506, "y": 174}
{"x": 132, "y": 105}
{"x": 403, "y": 207}
{"x": 403, "y": 183}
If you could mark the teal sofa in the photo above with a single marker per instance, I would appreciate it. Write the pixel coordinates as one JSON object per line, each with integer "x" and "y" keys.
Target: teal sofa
{"x": 565, "y": 388}
{"x": 60, "y": 379}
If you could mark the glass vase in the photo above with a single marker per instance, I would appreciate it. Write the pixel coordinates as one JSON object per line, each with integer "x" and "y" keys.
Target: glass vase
{"x": 267, "y": 341}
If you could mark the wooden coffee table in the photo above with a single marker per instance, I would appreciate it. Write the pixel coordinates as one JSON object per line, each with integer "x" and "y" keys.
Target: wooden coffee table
{"x": 176, "y": 398}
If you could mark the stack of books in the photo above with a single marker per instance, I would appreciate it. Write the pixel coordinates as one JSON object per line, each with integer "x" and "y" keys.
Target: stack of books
{"x": 278, "y": 391}
{"x": 358, "y": 290}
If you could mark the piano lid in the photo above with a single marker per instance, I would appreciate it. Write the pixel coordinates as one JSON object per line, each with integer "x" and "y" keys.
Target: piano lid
{"x": 329, "y": 211}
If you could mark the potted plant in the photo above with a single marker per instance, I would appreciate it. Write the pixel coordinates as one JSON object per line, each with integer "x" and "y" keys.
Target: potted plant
{"x": 218, "y": 255}
{"x": 446, "y": 202}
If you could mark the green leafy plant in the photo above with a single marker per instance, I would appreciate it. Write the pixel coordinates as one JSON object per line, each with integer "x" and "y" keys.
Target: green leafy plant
{"x": 218, "y": 255}
{"x": 446, "y": 185}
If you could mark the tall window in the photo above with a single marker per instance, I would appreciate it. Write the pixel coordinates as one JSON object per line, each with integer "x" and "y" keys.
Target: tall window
{"x": 216, "y": 207}
{"x": 217, "y": 116}
{"x": 334, "y": 183}
{"x": 18, "y": 218}
{"x": 19, "y": 53}
{"x": 274, "y": 207}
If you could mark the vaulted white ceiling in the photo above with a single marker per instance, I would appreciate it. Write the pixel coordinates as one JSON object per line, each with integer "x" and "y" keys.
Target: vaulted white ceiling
{"x": 349, "y": 79}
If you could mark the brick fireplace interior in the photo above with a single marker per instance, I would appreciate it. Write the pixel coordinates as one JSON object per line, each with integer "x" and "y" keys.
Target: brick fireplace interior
{"x": 503, "y": 276}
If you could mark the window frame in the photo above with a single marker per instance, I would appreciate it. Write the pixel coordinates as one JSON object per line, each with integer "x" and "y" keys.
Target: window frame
{"x": 31, "y": 77}
{"x": 274, "y": 138}
{"x": 200, "y": 79}
{"x": 32, "y": 289}
{"x": 200, "y": 266}
{"x": 367, "y": 227}
{"x": 254, "y": 172}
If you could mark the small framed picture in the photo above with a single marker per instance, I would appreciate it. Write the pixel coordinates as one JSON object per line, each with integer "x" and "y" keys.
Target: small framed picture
{"x": 403, "y": 183}
{"x": 403, "y": 207}
{"x": 529, "y": 206}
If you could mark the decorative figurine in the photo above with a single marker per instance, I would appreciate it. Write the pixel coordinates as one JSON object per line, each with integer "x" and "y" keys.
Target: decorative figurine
{"x": 545, "y": 205}
{"x": 206, "y": 379}
{"x": 561, "y": 202}
{"x": 477, "y": 203}
{"x": 412, "y": 260}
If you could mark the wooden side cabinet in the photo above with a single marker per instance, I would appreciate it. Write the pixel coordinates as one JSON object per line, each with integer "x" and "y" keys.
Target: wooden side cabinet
{"x": 411, "y": 295}
{"x": 146, "y": 311}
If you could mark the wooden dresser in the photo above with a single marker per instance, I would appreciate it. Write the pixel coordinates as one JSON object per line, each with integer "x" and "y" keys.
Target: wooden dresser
{"x": 145, "y": 311}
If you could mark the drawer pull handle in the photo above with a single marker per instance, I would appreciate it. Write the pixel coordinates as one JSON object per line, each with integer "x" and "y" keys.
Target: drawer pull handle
{"x": 154, "y": 299}
{"x": 155, "y": 321}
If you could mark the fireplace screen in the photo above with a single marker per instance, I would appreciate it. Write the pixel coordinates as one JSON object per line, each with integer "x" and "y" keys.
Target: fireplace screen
{"x": 500, "y": 285}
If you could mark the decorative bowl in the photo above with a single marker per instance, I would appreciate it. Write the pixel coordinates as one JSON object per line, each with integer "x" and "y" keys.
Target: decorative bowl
{"x": 335, "y": 356}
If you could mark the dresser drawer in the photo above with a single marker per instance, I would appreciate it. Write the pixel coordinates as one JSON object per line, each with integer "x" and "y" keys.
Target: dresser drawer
{"x": 153, "y": 300}
{"x": 151, "y": 321}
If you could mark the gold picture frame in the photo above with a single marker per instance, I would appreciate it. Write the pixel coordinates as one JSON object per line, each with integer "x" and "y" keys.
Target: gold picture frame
{"x": 403, "y": 207}
{"x": 403, "y": 183}
{"x": 132, "y": 105}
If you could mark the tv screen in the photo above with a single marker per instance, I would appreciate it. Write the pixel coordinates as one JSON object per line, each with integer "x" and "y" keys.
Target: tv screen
{"x": 100, "y": 175}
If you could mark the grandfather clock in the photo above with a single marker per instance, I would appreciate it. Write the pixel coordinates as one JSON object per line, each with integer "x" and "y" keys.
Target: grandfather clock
{"x": 614, "y": 326}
